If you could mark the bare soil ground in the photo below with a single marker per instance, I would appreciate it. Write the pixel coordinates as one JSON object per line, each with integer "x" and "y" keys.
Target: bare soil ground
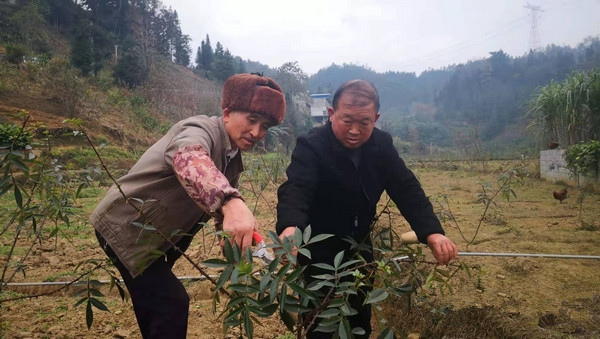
{"x": 505, "y": 297}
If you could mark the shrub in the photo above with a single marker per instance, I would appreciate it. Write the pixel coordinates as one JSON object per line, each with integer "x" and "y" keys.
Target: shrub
{"x": 583, "y": 158}
{"x": 10, "y": 133}
{"x": 15, "y": 53}
{"x": 65, "y": 85}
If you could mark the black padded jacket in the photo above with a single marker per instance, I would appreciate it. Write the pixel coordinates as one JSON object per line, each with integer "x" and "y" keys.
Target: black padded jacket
{"x": 336, "y": 190}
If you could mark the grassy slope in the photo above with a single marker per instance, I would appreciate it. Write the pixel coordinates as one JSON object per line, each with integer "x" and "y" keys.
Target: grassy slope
{"x": 51, "y": 92}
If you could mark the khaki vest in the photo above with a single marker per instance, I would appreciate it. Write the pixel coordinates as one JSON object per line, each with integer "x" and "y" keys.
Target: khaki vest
{"x": 151, "y": 186}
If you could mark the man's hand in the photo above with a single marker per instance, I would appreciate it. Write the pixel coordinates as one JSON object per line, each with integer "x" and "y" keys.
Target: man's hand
{"x": 239, "y": 222}
{"x": 443, "y": 248}
{"x": 288, "y": 232}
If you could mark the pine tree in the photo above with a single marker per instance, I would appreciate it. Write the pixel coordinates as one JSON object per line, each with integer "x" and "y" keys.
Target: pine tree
{"x": 198, "y": 60}
{"x": 207, "y": 54}
{"x": 223, "y": 65}
{"x": 182, "y": 50}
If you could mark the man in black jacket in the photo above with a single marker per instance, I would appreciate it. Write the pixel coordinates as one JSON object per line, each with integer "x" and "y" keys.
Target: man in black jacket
{"x": 335, "y": 180}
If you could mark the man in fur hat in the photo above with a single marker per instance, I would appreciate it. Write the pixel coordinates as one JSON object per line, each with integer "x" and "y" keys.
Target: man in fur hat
{"x": 187, "y": 177}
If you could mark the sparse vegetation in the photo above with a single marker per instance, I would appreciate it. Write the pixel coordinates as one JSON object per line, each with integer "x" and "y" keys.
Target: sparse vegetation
{"x": 46, "y": 193}
{"x": 415, "y": 282}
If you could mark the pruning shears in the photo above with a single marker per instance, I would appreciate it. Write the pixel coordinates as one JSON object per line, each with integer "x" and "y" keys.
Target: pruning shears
{"x": 261, "y": 251}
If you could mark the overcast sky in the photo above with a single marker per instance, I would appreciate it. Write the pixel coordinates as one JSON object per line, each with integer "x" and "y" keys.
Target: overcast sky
{"x": 385, "y": 35}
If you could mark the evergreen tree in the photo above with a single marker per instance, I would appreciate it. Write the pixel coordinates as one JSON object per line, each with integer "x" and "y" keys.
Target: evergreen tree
{"x": 207, "y": 54}
{"x": 223, "y": 64}
{"x": 91, "y": 47}
{"x": 131, "y": 68}
{"x": 23, "y": 28}
{"x": 63, "y": 13}
{"x": 182, "y": 50}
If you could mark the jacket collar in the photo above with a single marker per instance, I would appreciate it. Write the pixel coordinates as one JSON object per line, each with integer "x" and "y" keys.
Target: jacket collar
{"x": 225, "y": 137}
{"x": 229, "y": 149}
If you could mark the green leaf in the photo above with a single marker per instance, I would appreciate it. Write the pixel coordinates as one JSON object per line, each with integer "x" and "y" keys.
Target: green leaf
{"x": 306, "y": 235}
{"x": 344, "y": 329}
{"x": 283, "y": 270}
{"x": 332, "y": 312}
{"x": 273, "y": 289}
{"x": 404, "y": 289}
{"x": 215, "y": 263}
{"x": 5, "y": 189}
{"x": 287, "y": 320}
{"x": 233, "y": 314}
{"x": 324, "y": 277}
{"x": 264, "y": 311}
{"x": 264, "y": 282}
{"x": 273, "y": 265}
{"x": 53, "y": 232}
{"x": 445, "y": 273}
{"x": 326, "y": 329}
{"x": 376, "y": 296}
{"x": 302, "y": 292}
{"x": 358, "y": 331}
{"x": 338, "y": 259}
{"x": 348, "y": 263}
{"x": 275, "y": 238}
{"x": 18, "y": 197}
{"x": 98, "y": 304}
{"x": 89, "y": 315}
{"x": 81, "y": 186}
{"x": 324, "y": 266}
{"x": 337, "y": 302}
{"x": 80, "y": 301}
{"x": 387, "y": 333}
{"x": 347, "y": 310}
{"x": 319, "y": 237}
{"x": 246, "y": 289}
{"x": 18, "y": 163}
{"x": 228, "y": 249}
{"x": 224, "y": 277}
{"x": 317, "y": 286}
{"x": 283, "y": 295}
{"x": 295, "y": 274}
{"x": 121, "y": 292}
{"x": 248, "y": 326}
{"x": 305, "y": 252}
{"x": 95, "y": 292}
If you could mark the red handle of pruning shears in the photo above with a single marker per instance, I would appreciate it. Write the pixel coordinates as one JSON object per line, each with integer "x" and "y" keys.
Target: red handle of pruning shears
{"x": 256, "y": 237}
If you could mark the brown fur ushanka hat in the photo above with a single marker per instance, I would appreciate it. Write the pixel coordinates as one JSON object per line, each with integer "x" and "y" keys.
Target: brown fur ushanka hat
{"x": 254, "y": 93}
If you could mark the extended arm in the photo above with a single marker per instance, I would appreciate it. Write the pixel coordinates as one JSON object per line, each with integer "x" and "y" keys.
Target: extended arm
{"x": 213, "y": 193}
{"x": 296, "y": 194}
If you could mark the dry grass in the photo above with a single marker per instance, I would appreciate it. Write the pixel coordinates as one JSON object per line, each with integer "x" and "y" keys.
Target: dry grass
{"x": 507, "y": 297}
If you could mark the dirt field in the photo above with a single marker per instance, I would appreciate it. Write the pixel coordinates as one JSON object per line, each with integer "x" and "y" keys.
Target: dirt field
{"x": 506, "y": 297}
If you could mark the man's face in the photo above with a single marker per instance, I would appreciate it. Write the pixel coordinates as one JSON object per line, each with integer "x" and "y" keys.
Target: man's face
{"x": 245, "y": 129}
{"x": 352, "y": 124}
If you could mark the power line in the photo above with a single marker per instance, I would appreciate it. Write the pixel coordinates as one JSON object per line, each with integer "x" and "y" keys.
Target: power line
{"x": 459, "y": 47}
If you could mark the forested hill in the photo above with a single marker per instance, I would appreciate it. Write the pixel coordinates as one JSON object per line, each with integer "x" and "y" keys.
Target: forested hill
{"x": 489, "y": 94}
{"x": 137, "y": 49}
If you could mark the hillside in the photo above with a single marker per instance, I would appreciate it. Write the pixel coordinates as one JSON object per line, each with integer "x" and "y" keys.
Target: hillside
{"x": 489, "y": 95}
{"x": 51, "y": 91}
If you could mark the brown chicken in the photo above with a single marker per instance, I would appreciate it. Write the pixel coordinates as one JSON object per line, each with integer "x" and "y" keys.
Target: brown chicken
{"x": 560, "y": 195}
